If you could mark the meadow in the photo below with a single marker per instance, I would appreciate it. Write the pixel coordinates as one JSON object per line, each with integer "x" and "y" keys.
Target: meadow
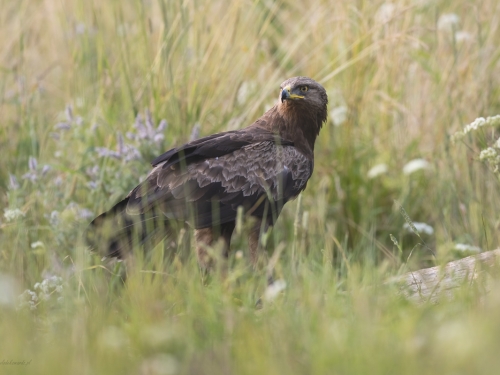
{"x": 92, "y": 91}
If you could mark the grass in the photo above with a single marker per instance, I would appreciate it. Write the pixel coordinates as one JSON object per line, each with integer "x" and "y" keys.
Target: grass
{"x": 84, "y": 87}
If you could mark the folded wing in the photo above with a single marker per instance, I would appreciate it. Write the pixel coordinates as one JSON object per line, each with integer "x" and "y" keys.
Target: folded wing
{"x": 204, "y": 182}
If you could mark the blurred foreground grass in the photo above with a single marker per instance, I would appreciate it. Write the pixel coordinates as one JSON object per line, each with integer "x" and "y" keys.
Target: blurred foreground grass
{"x": 91, "y": 91}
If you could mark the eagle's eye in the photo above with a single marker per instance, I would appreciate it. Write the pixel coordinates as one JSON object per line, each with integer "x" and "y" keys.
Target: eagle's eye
{"x": 304, "y": 88}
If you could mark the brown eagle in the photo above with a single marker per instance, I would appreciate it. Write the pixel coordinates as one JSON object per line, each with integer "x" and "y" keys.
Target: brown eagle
{"x": 203, "y": 182}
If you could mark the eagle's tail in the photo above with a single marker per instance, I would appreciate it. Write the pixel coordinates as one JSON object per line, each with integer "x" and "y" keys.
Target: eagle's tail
{"x": 115, "y": 233}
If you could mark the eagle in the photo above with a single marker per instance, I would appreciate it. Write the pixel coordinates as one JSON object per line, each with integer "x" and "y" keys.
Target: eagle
{"x": 204, "y": 182}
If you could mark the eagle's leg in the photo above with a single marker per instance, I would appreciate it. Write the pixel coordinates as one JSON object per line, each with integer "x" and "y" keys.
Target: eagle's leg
{"x": 256, "y": 248}
{"x": 254, "y": 243}
{"x": 207, "y": 238}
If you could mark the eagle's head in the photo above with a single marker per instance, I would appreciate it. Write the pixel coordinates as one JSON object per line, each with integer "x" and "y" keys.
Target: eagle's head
{"x": 298, "y": 89}
{"x": 304, "y": 97}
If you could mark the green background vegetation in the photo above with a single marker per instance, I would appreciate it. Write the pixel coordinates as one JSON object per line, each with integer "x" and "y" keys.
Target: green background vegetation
{"x": 74, "y": 76}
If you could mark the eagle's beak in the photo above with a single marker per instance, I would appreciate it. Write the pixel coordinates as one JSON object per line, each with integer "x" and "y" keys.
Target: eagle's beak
{"x": 286, "y": 94}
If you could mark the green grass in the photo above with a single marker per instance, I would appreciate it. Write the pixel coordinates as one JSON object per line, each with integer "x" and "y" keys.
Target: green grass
{"x": 75, "y": 75}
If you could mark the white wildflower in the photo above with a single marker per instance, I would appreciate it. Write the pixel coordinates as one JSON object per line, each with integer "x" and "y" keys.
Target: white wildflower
{"x": 463, "y": 36}
{"x": 420, "y": 227}
{"x": 476, "y": 124}
{"x": 462, "y": 247}
{"x": 338, "y": 115}
{"x": 37, "y": 244}
{"x": 48, "y": 287}
{"x": 274, "y": 289}
{"x": 385, "y": 13}
{"x": 32, "y": 295}
{"x": 416, "y": 165}
{"x": 448, "y": 22}
{"x": 28, "y": 299}
{"x": 339, "y": 112}
{"x": 481, "y": 121}
{"x": 488, "y": 154}
{"x": 43, "y": 286}
{"x": 13, "y": 214}
{"x": 377, "y": 170}
{"x": 491, "y": 156}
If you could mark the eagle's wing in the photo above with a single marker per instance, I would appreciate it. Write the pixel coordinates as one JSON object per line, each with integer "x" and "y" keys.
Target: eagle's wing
{"x": 204, "y": 182}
